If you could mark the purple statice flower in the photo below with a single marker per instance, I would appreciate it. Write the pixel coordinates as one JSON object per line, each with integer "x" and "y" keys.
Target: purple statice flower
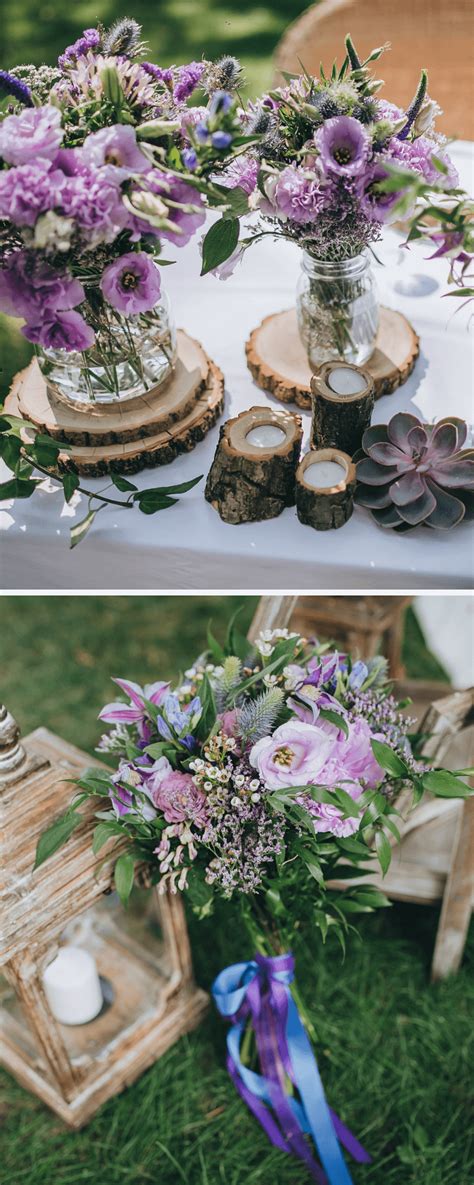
{"x": 9, "y": 85}
{"x": 186, "y": 219}
{"x": 131, "y": 284}
{"x": 240, "y": 174}
{"x": 297, "y": 195}
{"x": 60, "y": 331}
{"x": 28, "y": 191}
{"x": 374, "y": 202}
{"x": 417, "y": 155}
{"x": 188, "y": 79}
{"x": 93, "y": 198}
{"x": 29, "y": 286}
{"x": 33, "y": 135}
{"x": 115, "y": 147}
{"x": 343, "y": 145}
{"x": 136, "y": 711}
{"x": 89, "y": 39}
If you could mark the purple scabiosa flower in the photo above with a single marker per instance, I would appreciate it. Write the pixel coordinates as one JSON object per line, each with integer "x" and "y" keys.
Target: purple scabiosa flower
{"x": 29, "y": 285}
{"x": 28, "y": 190}
{"x": 131, "y": 284}
{"x": 93, "y": 198}
{"x": 115, "y": 147}
{"x": 60, "y": 331}
{"x": 343, "y": 145}
{"x": 33, "y": 135}
{"x": 374, "y": 202}
{"x": 136, "y": 711}
{"x": 188, "y": 79}
{"x": 9, "y": 85}
{"x": 88, "y": 40}
{"x": 297, "y": 195}
{"x": 240, "y": 174}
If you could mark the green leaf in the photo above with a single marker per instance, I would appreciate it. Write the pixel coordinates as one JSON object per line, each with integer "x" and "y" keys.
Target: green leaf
{"x": 10, "y": 450}
{"x": 79, "y": 530}
{"x": 103, "y": 832}
{"x": 217, "y": 651}
{"x": 384, "y": 851}
{"x": 209, "y": 711}
{"x": 17, "y": 487}
{"x": 274, "y": 902}
{"x": 236, "y": 200}
{"x": 152, "y": 501}
{"x": 56, "y": 835}
{"x": 335, "y": 718}
{"x": 444, "y": 784}
{"x": 219, "y": 243}
{"x": 165, "y": 490}
{"x": 123, "y": 876}
{"x": 70, "y": 483}
{"x": 121, "y": 483}
{"x": 370, "y": 896}
{"x": 388, "y": 759}
{"x": 312, "y": 865}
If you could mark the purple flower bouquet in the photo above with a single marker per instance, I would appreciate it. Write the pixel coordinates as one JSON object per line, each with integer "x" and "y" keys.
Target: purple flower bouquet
{"x": 102, "y": 162}
{"x": 267, "y": 774}
{"x": 333, "y": 165}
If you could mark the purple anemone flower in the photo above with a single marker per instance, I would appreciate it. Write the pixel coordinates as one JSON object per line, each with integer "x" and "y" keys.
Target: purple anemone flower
{"x": 344, "y": 146}
{"x": 131, "y": 284}
{"x": 33, "y": 135}
{"x": 117, "y": 148}
{"x": 61, "y": 331}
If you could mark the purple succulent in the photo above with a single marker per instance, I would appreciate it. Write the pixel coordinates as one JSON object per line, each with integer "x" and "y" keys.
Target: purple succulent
{"x": 407, "y": 470}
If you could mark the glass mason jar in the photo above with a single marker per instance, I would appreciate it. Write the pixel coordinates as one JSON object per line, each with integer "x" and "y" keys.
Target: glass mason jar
{"x": 337, "y": 309}
{"x": 129, "y": 357}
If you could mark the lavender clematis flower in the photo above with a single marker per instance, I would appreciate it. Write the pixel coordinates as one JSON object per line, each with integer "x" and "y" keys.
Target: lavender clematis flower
{"x": 115, "y": 147}
{"x": 35, "y": 134}
{"x": 131, "y": 284}
{"x": 344, "y": 146}
{"x": 135, "y": 712}
{"x": 61, "y": 331}
{"x": 124, "y": 800}
{"x": 374, "y": 202}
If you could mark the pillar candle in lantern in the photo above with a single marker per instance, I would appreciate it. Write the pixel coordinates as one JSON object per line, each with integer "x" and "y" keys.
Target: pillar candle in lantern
{"x": 346, "y": 380}
{"x": 324, "y": 474}
{"x": 265, "y": 436}
{"x": 72, "y": 986}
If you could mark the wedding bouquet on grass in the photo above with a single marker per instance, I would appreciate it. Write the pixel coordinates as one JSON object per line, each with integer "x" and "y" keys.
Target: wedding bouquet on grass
{"x": 268, "y": 773}
{"x": 333, "y": 165}
{"x": 102, "y": 162}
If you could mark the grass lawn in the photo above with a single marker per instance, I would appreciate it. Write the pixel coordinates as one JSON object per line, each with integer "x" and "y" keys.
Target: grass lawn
{"x": 394, "y": 1051}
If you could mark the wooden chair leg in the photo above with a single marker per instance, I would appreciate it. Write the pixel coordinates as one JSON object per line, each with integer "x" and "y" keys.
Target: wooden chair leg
{"x": 457, "y": 900}
{"x": 392, "y": 647}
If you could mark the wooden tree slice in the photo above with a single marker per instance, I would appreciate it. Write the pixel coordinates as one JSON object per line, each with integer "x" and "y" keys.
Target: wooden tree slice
{"x": 277, "y": 360}
{"x": 247, "y": 483}
{"x": 159, "y": 449}
{"x": 96, "y": 424}
{"x": 328, "y": 507}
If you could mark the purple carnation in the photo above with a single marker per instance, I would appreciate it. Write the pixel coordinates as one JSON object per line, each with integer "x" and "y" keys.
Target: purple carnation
{"x": 88, "y": 40}
{"x": 29, "y": 190}
{"x": 61, "y": 331}
{"x": 95, "y": 201}
{"x": 343, "y": 145}
{"x": 188, "y": 79}
{"x": 35, "y": 134}
{"x": 29, "y": 286}
{"x": 297, "y": 196}
{"x": 417, "y": 155}
{"x": 115, "y": 147}
{"x": 131, "y": 284}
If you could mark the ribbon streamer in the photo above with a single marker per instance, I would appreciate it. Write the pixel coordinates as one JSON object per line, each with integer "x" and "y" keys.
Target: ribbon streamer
{"x": 259, "y": 991}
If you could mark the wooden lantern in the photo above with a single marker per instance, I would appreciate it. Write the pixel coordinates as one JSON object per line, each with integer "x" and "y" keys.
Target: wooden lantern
{"x": 252, "y": 476}
{"x": 325, "y": 502}
{"x": 343, "y": 402}
{"x": 142, "y": 954}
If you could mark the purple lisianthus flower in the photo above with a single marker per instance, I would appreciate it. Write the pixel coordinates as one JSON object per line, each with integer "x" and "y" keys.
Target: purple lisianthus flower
{"x": 180, "y": 800}
{"x": 226, "y": 269}
{"x": 117, "y": 148}
{"x": 29, "y": 286}
{"x": 188, "y": 79}
{"x": 35, "y": 134}
{"x": 295, "y": 755}
{"x": 28, "y": 191}
{"x": 135, "y": 712}
{"x": 374, "y": 202}
{"x": 297, "y": 195}
{"x": 88, "y": 40}
{"x": 94, "y": 200}
{"x": 352, "y": 759}
{"x": 240, "y": 174}
{"x": 60, "y": 331}
{"x": 10, "y": 85}
{"x": 131, "y": 284}
{"x": 343, "y": 145}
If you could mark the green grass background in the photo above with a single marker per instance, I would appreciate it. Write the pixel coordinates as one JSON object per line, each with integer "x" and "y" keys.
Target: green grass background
{"x": 395, "y": 1052}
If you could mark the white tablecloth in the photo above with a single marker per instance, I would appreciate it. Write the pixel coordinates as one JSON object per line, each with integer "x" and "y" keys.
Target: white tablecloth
{"x": 187, "y": 546}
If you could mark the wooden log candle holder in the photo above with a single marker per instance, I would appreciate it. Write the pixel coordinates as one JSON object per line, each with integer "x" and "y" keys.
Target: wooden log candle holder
{"x": 252, "y": 476}
{"x": 343, "y": 401}
{"x": 325, "y": 484}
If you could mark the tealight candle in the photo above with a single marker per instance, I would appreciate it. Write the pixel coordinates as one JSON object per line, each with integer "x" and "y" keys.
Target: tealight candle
{"x": 324, "y": 474}
{"x": 343, "y": 400}
{"x": 265, "y": 436}
{"x": 346, "y": 380}
{"x": 72, "y": 986}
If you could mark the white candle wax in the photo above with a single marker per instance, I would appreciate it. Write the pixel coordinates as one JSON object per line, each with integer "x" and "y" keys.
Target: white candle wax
{"x": 322, "y": 475}
{"x": 344, "y": 381}
{"x": 72, "y": 986}
{"x": 265, "y": 436}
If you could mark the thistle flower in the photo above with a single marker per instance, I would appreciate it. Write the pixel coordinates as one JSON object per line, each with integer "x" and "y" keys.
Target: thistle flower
{"x": 9, "y": 85}
{"x": 123, "y": 37}
{"x": 224, "y": 74}
{"x": 409, "y": 469}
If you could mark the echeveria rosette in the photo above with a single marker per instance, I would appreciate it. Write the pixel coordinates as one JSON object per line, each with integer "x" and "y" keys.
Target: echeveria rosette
{"x": 411, "y": 474}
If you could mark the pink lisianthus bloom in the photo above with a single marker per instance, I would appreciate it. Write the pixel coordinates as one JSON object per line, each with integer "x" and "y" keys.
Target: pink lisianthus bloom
{"x": 295, "y": 755}
{"x": 115, "y": 148}
{"x": 180, "y": 800}
{"x": 35, "y": 134}
{"x": 131, "y": 284}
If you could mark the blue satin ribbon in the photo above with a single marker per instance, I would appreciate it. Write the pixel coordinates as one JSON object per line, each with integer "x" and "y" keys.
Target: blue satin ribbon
{"x": 259, "y": 990}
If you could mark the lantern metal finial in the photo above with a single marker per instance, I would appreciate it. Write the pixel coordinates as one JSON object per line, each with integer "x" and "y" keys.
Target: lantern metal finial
{"x": 12, "y": 754}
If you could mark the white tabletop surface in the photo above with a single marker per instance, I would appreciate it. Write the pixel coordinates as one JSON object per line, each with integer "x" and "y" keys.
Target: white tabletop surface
{"x": 188, "y": 546}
